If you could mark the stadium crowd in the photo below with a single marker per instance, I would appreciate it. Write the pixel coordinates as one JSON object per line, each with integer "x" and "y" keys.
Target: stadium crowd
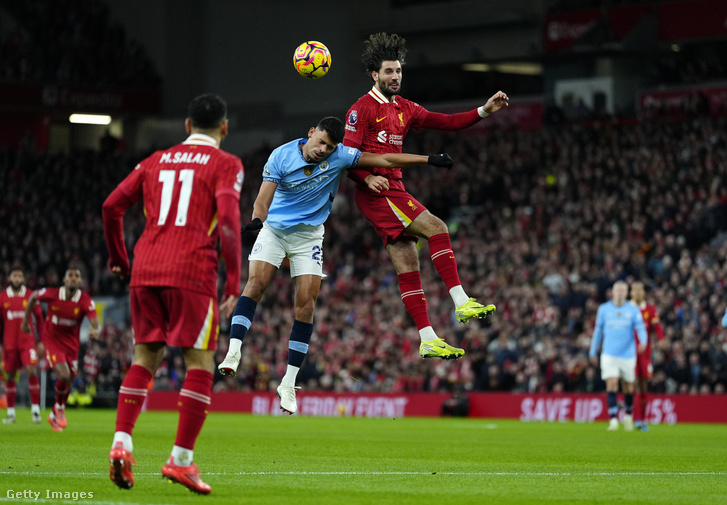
{"x": 70, "y": 42}
{"x": 543, "y": 223}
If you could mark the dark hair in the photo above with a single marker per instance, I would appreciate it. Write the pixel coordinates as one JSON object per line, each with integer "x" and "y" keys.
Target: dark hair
{"x": 16, "y": 268}
{"x": 382, "y": 47}
{"x": 74, "y": 267}
{"x": 207, "y": 111}
{"x": 333, "y": 126}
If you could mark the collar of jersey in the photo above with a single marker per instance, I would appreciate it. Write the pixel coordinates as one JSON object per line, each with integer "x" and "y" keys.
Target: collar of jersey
{"x": 62, "y": 295}
{"x": 300, "y": 151}
{"x": 201, "y": 139}
{"x": 379, "y": 97}
{"x": 11, "y": 293}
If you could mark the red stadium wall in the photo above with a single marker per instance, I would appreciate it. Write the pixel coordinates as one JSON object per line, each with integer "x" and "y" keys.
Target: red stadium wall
{"x": 668, "y": 409}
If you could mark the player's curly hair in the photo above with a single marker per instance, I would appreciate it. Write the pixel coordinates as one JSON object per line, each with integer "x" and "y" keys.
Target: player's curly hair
{"x": 382, "y": 47}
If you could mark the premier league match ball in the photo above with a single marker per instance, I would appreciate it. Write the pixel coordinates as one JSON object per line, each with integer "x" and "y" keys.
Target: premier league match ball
{"x": 312, "y": 59}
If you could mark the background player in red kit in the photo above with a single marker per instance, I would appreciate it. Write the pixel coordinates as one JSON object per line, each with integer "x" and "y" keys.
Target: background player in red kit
{"x": 67, "y": 306}
{"x": 644, "y": 368}
{"x": 377, "y": 123}
{"x": 191, "y": 195}
{"x": 19, "y": 347}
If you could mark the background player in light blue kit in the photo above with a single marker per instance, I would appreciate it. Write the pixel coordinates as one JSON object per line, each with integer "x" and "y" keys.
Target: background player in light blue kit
{"x": 616, "y": 322}
{"x": 300, "y": 181}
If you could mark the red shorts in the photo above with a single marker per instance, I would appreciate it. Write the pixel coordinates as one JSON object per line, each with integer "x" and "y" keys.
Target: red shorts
{"x": 390, "y": 212}
{"x": 644, "y": 368}
{"x": 15, "y": 359}
{"x": 175, "y": 316}
{"x": 56, "y": 354}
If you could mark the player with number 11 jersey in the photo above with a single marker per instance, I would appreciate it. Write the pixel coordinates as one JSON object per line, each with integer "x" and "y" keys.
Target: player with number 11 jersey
{"x": 178, "y": 246}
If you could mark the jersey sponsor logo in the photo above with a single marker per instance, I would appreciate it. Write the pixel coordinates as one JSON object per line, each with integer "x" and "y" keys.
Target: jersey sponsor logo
{"x": 185, "y": 157}
{"x": 306, "y": 185}
{"x": 380, "y": 119}
{"x": 62, "y": 321}
{"x": 15, "y": 314}
{"x": 381, "y": 137}
{"x": 353, "y": 117}
{"x": 350, "y": 128}
{"x": 396, "y": 140}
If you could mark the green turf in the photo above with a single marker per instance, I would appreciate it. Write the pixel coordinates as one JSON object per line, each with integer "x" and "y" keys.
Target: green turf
{"x": 301, "y": 460}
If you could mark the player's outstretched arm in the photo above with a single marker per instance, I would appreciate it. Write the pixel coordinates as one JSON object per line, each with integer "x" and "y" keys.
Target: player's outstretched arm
{"x": 496, "y": 102}
{"x": 395, "y": 160}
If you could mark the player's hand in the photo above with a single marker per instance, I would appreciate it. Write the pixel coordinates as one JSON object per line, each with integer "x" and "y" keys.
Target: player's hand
{"x": 496, "y": 102}
{"x": 227, "y": 307}
{"x": 594, "y": 360}
{"x": 441, "y": 160}
{"x": 377, "y": 183}
{"x": 253, "y": 225}
{"x": 25, "y": 326}
{"x": 40, "y": 348}
{"x": 120, "y": 271}
{"x": 641, "y": 347}
{"x": 94, "y": 333}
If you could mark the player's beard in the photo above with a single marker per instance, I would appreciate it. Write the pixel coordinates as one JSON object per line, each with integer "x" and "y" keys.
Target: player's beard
{"x": 16, "y": 287}
{"x": 386, "y": 89}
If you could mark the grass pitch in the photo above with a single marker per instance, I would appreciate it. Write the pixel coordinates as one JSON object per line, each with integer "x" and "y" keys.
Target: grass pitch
{"x": 305, "y": 460}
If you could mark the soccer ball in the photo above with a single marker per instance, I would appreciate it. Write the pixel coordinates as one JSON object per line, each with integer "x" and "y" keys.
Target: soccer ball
{"x": 312, "y": 59}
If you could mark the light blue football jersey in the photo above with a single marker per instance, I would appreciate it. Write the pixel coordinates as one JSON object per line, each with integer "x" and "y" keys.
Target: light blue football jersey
{"x": 615, "y": 326}
{"x": 305, "y": 191}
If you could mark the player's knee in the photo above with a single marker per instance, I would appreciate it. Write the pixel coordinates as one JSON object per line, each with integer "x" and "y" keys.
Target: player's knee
{"x": 304, "y": 311}
{"x": 254, "y": 289}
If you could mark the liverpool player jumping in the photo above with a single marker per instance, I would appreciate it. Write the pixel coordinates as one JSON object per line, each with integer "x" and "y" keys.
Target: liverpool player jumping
{"x": 67, "y": 306}
{"x": 377, "y": 123}
{"x": 644, "y": 368}
{"x": 300, "y": 181}
{"x": 191, "y": 195}
{"x": 20, "y": 347}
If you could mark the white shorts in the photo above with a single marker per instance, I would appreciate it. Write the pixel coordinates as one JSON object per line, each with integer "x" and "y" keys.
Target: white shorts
{"x": 302, "y": 244}
{"x": 623, "y": 368}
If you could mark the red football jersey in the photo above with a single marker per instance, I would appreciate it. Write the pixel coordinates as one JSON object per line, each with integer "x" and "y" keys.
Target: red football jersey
{"x": 375, "y": 125}
{"x": 12, "y": 310}
{"x": 64, "y": 317}
{"x": 653, "y": 325}
{"x": 178, "y": 247}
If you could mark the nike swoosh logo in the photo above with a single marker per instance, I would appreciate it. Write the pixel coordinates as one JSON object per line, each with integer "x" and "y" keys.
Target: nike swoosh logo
{"x": 378, "y": 120}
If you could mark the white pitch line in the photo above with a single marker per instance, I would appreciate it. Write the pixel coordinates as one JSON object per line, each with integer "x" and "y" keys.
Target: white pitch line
{"x": 378, "y": 474}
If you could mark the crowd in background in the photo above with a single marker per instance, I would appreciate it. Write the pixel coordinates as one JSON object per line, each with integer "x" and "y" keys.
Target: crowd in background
{"x": 542, "y": 224}
{"x": 70, "y": 42}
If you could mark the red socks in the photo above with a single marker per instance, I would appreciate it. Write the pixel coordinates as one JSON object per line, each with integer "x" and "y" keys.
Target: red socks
{"x": 132, "y": 394}
{"x": 412, "y": 295}
{"x": 642, "y": 406}
{"x": 11, "y": 391}
{"x": 194, "y": 400}
{"x": 34, "y": 387}
{"x": 62, "y": 390}
{"x": 440, "y": 248}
